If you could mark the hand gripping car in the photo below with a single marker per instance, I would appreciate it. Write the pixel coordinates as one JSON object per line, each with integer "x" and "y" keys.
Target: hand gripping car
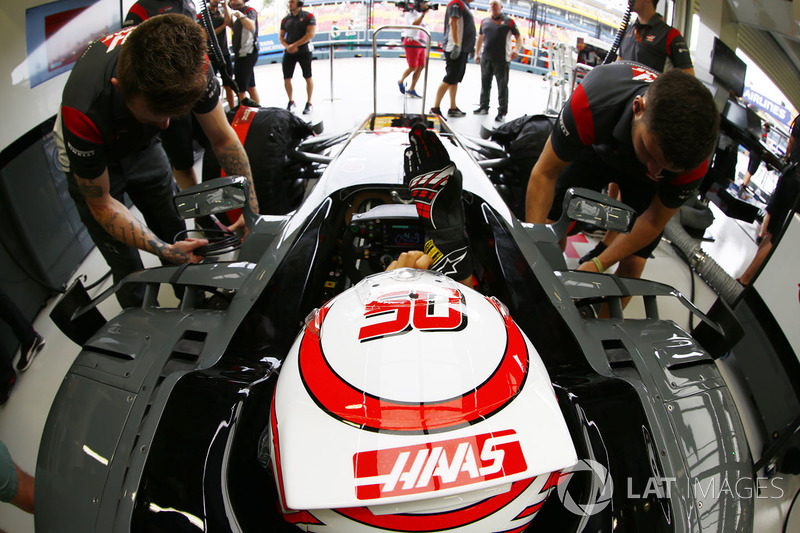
{"x": 413, "y": 403}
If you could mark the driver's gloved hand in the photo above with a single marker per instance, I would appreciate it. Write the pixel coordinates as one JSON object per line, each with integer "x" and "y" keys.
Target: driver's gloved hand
{"x": 435, "y": 185}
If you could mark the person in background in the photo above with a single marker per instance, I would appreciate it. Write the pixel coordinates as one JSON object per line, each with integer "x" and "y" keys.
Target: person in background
{"x": 653, "y": 42}
{"x": 221, "y": 20}
{"x": 781, "y": 204}
{"x": 297, "y": 29}
{"x": 16, "y": 486}
{"x": 414, "y": 42}
{"x": 494, "y": 52}
{"x": 125, "y": 89}
{"x": 31, "y": 343}
{"x": 177, "y": 139}
{"x": 651, "y": 133}
{"x": 459, "y": 41}
{"x": 245, "y": 47}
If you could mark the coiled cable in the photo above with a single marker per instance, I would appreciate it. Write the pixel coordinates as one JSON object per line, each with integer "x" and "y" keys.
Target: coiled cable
{"x": 611, "y": 56}
{"x": 220, "y": 242}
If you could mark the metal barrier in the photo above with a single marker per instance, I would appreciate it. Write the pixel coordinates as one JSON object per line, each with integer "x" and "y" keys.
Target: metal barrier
{"x": 375, "y": 65}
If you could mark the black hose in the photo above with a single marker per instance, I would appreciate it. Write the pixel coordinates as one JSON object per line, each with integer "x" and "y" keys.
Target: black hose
{"x": 789, "y": 512}
{"x": 611, "y": 56}
{"x": 216, "y": 52}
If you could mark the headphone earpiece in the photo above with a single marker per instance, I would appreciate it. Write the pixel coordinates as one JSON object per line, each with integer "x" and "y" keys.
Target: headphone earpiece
{"x": 299, "y": 3}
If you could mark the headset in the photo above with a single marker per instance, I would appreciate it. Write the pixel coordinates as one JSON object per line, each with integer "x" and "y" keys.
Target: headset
{"x": 299, "y": 3}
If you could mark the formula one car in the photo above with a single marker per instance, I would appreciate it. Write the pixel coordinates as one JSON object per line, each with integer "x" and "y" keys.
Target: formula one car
{"x": 298, "y": 387}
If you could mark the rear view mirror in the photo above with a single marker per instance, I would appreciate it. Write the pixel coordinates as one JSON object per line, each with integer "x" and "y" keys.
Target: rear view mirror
{"x": 599, "y": 210}
{"x": 211, "y": 197}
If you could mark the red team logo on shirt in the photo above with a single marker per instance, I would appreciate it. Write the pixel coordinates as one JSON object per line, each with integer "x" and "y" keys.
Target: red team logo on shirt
{"x": 113, "y": 40}
{"x": 643, "y": 74}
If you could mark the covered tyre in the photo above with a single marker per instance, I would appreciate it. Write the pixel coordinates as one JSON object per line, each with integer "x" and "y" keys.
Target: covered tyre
{"x": 523, "y": 139}
{"x": 268, "y": 134}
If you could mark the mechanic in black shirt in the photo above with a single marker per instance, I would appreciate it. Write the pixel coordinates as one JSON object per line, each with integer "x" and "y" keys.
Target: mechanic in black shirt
{"x": 458, "y": 43}
{"x": 651, "y": 133}
{"x": 494, "y": 51}
{"x": 177, "y": 138}
{"x": 297, "y": 29}
{"x": 653, "y": 42}
{"x": 124, "y": 89}
{"x": 782, "y": 202}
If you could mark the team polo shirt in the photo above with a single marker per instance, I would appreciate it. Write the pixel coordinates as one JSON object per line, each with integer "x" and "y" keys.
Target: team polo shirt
{"x": 97, "y": 127}
{"x": 144, "y": 9}
{"x": 296, "y": 26}
{"x": 461, "y": 11}
{"x": 598, "y": 117}
{"x": 245, "y": 42}
{"x": 497, "y": 32}
{"x": 653, "y": 42}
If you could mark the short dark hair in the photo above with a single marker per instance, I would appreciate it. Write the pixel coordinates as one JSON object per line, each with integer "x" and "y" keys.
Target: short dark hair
{"x": 164, "y": 60}
{"x": 682, "y": 114}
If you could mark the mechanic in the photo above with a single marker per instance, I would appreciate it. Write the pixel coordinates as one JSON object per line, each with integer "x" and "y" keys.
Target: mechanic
{"x": 244, "y": 40}
{"x": 781, "y": 204}
{"x": 651, "y": 133}
{"x": 494, "y": 40}
{"x": 414, "y": 44}
{"x": 297, "y": 29}
{"x": 653, "y": 42}
{"x": 177, "y": 138}
{"x": 107, "y": 135}
{"x": 16, "y": 486}
{"x": 31, "y": 343}
{"x": 459, "y": 41}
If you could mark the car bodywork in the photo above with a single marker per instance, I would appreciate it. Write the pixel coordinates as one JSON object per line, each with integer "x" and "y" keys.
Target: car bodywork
{"x": 158, "y": 423}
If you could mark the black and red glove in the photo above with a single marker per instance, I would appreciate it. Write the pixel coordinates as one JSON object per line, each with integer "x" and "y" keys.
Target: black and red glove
{"x": 435, "y": 185}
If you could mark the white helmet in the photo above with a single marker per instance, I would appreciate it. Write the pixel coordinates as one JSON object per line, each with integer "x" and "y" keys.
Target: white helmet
{"x": 413, "y": 403}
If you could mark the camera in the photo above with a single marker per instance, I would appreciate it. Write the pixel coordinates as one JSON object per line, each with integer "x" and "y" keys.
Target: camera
{"x": 416, "y": 5}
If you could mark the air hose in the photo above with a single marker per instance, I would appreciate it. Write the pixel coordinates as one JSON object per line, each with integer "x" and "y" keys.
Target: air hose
{"x": 217, "y": 58}
{"x": 611, "y": 56}
{"x": 723, "y": 284}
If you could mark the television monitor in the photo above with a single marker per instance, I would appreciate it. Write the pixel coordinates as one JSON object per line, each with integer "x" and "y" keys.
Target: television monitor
{"x": 743, "y": 117}
{"x": 727, "y": 68}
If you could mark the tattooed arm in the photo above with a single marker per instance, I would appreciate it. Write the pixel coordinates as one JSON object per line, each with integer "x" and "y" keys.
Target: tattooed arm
{"x": 117, "y": 220}
{"x": 227, "y": 147}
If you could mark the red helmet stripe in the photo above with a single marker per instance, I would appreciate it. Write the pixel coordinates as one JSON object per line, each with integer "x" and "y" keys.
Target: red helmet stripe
{"x": 273, "y": 420}
{"x": 346, "y": 402}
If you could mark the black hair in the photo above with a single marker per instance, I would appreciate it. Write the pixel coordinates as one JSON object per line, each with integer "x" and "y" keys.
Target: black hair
{"x": 681, "y": 112}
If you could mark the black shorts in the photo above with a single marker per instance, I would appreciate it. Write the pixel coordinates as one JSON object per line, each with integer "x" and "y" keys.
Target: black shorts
{"x": 783, "y": 200}
{"x": 244, "y": 71}
{"x": 455, "y": 68}
{"x": 590, "y": 172}
{"x": 290, "y": 60}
